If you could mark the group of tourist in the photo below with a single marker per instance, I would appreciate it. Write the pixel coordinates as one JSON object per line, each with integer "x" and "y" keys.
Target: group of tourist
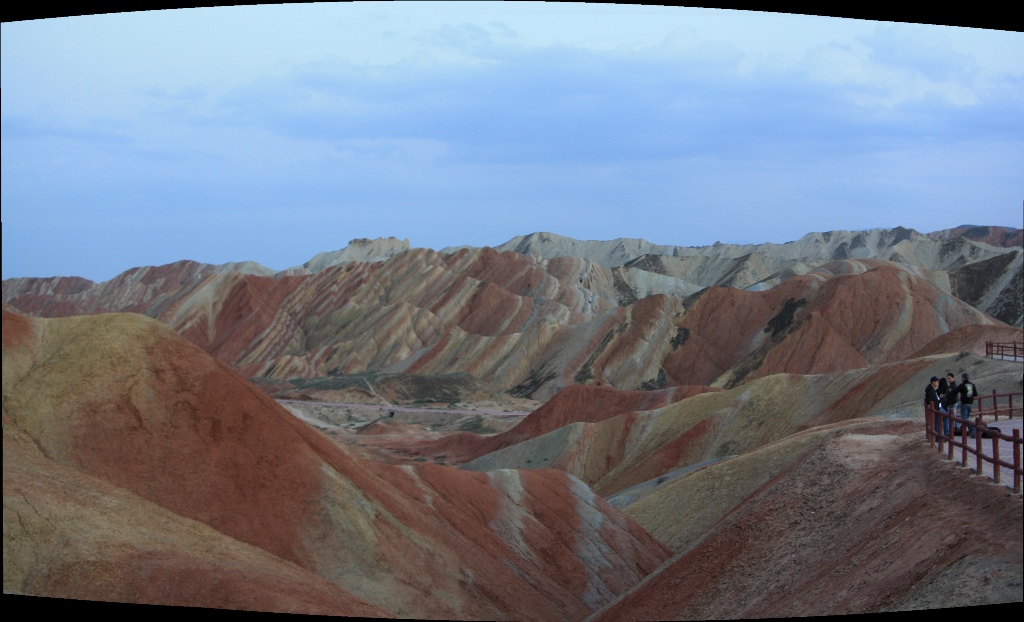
{"x": 943, "y": 395}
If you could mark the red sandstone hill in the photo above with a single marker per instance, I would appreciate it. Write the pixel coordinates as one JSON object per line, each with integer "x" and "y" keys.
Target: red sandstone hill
{"x": 844, "y": 315}
{"x": 996, "y": 236}
{"x": 971, "y": 338}
{"x": 138, "y": 469}
{"x": 130, "y": 456}
{"x": 527, "y": 325}
{"x": 823, "y": 486}
{"x": 635, "y": 448}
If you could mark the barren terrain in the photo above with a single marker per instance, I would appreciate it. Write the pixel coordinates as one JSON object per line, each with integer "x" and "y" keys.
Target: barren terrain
{"x": 551, "y": 430}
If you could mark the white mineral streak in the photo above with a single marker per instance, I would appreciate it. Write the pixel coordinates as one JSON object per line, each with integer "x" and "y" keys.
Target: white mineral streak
{"x": 994, "y": 291}
{"x": 590, "y": 546}
{"x": 903, "y": 322}
{"x": 510, "y": 519}
{"x": 428, "y": 497}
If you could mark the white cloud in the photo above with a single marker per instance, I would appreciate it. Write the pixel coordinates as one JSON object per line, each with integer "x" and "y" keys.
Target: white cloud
{"x": 471, "y": 125}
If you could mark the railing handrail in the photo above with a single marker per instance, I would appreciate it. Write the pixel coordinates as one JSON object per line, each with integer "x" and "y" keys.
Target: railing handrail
{"x": 937, "y": 437}
{"x": 1013, "y": 349}
{"x": 994, "y": 411}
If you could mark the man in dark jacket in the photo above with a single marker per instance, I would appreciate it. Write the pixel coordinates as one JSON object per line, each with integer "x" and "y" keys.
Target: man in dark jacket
{"x": 952, "y": 394}
{"x": 931, "y": 398}
{"x": 967, "y": 392}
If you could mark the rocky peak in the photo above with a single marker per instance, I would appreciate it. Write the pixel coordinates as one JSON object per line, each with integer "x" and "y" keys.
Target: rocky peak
{"x": 359, "y": 249}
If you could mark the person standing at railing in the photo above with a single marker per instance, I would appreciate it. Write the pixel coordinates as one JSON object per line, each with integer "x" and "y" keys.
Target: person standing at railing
{"x": 967, "y": 392}
{"x": 942, "y": 389}
{"x": 952, "y": 394}
{"x": 931, "y": 398}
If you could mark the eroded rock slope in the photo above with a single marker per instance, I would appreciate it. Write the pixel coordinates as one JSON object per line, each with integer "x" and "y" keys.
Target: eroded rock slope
{"x": 522, "y": 324}
{"x": 857, "y": 520}
{"x": 177, "y": 482}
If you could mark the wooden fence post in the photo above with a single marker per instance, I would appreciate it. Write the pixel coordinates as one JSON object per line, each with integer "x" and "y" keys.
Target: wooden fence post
{"x": 948, "y": 418}
{"x": 979, "y": 454}
{"x": 963, "y": 438}
{"x": 1016, "y": 461}
{"x": 928, "y": 425}
{"x": 995, "y": 458}
{"x": 934, "y": 432}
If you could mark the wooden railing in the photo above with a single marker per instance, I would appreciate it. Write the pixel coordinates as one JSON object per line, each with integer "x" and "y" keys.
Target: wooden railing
{"x": 1012, "y": 407}
{"x": 1009, "y": 351}
{"x": 1007, "y": 410}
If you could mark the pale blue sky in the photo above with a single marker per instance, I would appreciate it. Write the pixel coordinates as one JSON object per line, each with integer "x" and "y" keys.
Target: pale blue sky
{"x": 272, "y": 133}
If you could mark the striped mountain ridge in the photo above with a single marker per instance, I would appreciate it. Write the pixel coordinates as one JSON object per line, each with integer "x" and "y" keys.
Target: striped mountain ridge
{"x": 770, "y": 464}
{"x": 942, "y": 257}
{"x": 938, "y": 250}
{"x": 827, "y": 468}
{"x": 996, "y": 236}
{"x": 615, "y": 440}
{"x": 638, "y": 448}
{"x": 521, "y": 323}
{"x": 995, "y": 285}
{"x": 641, "y": 268}
{"x": 139, "y": 469}
{"x": 358, "y": 250}
{"x": 725, "y": 265}
{"x": 574, "y": 404}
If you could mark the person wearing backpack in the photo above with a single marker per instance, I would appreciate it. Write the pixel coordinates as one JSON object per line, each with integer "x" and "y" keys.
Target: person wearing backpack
{"x": 967, "y": 392}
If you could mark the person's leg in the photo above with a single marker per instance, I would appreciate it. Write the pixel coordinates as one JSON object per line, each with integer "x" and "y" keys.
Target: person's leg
{"x": 965, "y": 413}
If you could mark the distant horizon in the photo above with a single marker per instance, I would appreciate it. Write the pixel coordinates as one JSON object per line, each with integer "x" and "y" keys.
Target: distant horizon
{"x": 415, "y": 246}
{"x": 269, "y": 133}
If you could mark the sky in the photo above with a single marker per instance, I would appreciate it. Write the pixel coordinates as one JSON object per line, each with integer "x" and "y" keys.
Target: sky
{"x": 272, "y": 133}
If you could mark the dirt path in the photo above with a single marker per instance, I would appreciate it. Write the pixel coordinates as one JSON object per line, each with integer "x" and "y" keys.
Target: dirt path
{"x": 415, "y": 409}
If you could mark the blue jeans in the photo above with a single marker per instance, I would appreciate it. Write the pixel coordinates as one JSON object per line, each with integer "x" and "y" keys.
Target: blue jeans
{"x": 945, "y": 422}
{"x": 965, "y": 413}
